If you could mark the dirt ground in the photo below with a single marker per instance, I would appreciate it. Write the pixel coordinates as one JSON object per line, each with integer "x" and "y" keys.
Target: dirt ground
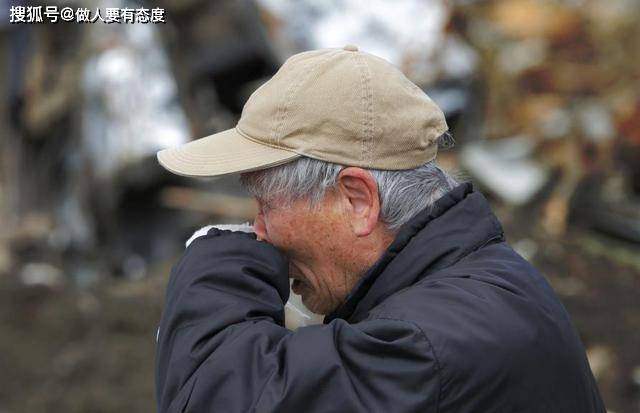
{"x": 73, "y": 351}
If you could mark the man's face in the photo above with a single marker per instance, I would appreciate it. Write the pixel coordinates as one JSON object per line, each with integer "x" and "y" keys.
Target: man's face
{"x": 322, "y": 258}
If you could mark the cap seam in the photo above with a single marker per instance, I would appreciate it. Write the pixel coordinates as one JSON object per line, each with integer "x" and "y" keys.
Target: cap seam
{"x": 367, "y": 109}
{"x": 269, "y": 144}
{"x": 291, "y": 91}
{"x": 202, "y": 172}
{"x": 194, "y": 159}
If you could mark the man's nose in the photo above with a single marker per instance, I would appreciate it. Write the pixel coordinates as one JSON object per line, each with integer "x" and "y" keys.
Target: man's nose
{"x": 260, "y": 228}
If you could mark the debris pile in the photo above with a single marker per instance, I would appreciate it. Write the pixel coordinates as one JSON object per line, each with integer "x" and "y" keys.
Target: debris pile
{"x": 562, "y": 79}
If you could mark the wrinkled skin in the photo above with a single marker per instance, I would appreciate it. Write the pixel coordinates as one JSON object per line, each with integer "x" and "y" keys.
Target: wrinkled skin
{"x": 329, "y": 246}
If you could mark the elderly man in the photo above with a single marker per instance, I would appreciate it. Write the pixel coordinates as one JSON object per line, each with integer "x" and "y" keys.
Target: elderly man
{"x": 427, "y": 307}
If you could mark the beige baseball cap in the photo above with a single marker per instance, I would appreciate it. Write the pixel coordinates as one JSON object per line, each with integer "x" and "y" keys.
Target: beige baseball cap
{"x": 338, "y": 105}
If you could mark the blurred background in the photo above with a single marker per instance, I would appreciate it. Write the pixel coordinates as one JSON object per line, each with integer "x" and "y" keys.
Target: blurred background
{"x": 542, "y": 96}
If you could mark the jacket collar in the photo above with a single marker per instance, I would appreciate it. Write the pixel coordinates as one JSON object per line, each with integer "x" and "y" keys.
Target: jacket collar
{"x": 458, "y": 223}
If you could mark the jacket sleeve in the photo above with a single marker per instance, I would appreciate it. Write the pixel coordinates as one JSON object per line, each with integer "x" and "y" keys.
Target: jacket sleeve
{"x": 222, "y": 345}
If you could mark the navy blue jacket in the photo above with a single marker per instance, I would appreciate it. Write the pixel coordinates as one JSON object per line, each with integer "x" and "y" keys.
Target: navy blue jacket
{"x": 450, "y": 319}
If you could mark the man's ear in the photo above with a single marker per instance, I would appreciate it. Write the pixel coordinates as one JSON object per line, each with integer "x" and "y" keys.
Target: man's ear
{"x": 358, "y": 192}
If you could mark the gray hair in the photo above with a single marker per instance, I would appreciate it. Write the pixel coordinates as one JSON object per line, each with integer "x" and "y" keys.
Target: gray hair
{"x": 402, "y": 193}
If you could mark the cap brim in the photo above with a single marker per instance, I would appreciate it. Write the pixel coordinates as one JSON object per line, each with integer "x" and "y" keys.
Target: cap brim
{"x": 223, "y": 153}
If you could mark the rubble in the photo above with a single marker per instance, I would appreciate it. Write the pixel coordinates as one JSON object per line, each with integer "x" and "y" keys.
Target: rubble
{"x": 600, "y": 359}
{"x": 130, "y": 106}
{"x": 526, "y": 247}
{"x": 558, "y": 73}
{"x": 636, "y": 375}
{"x": 505, "y": 168}
{"x": 377, "y": 27}
{"x": 41, "y": 274}
{"x": 229, "y": 207}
